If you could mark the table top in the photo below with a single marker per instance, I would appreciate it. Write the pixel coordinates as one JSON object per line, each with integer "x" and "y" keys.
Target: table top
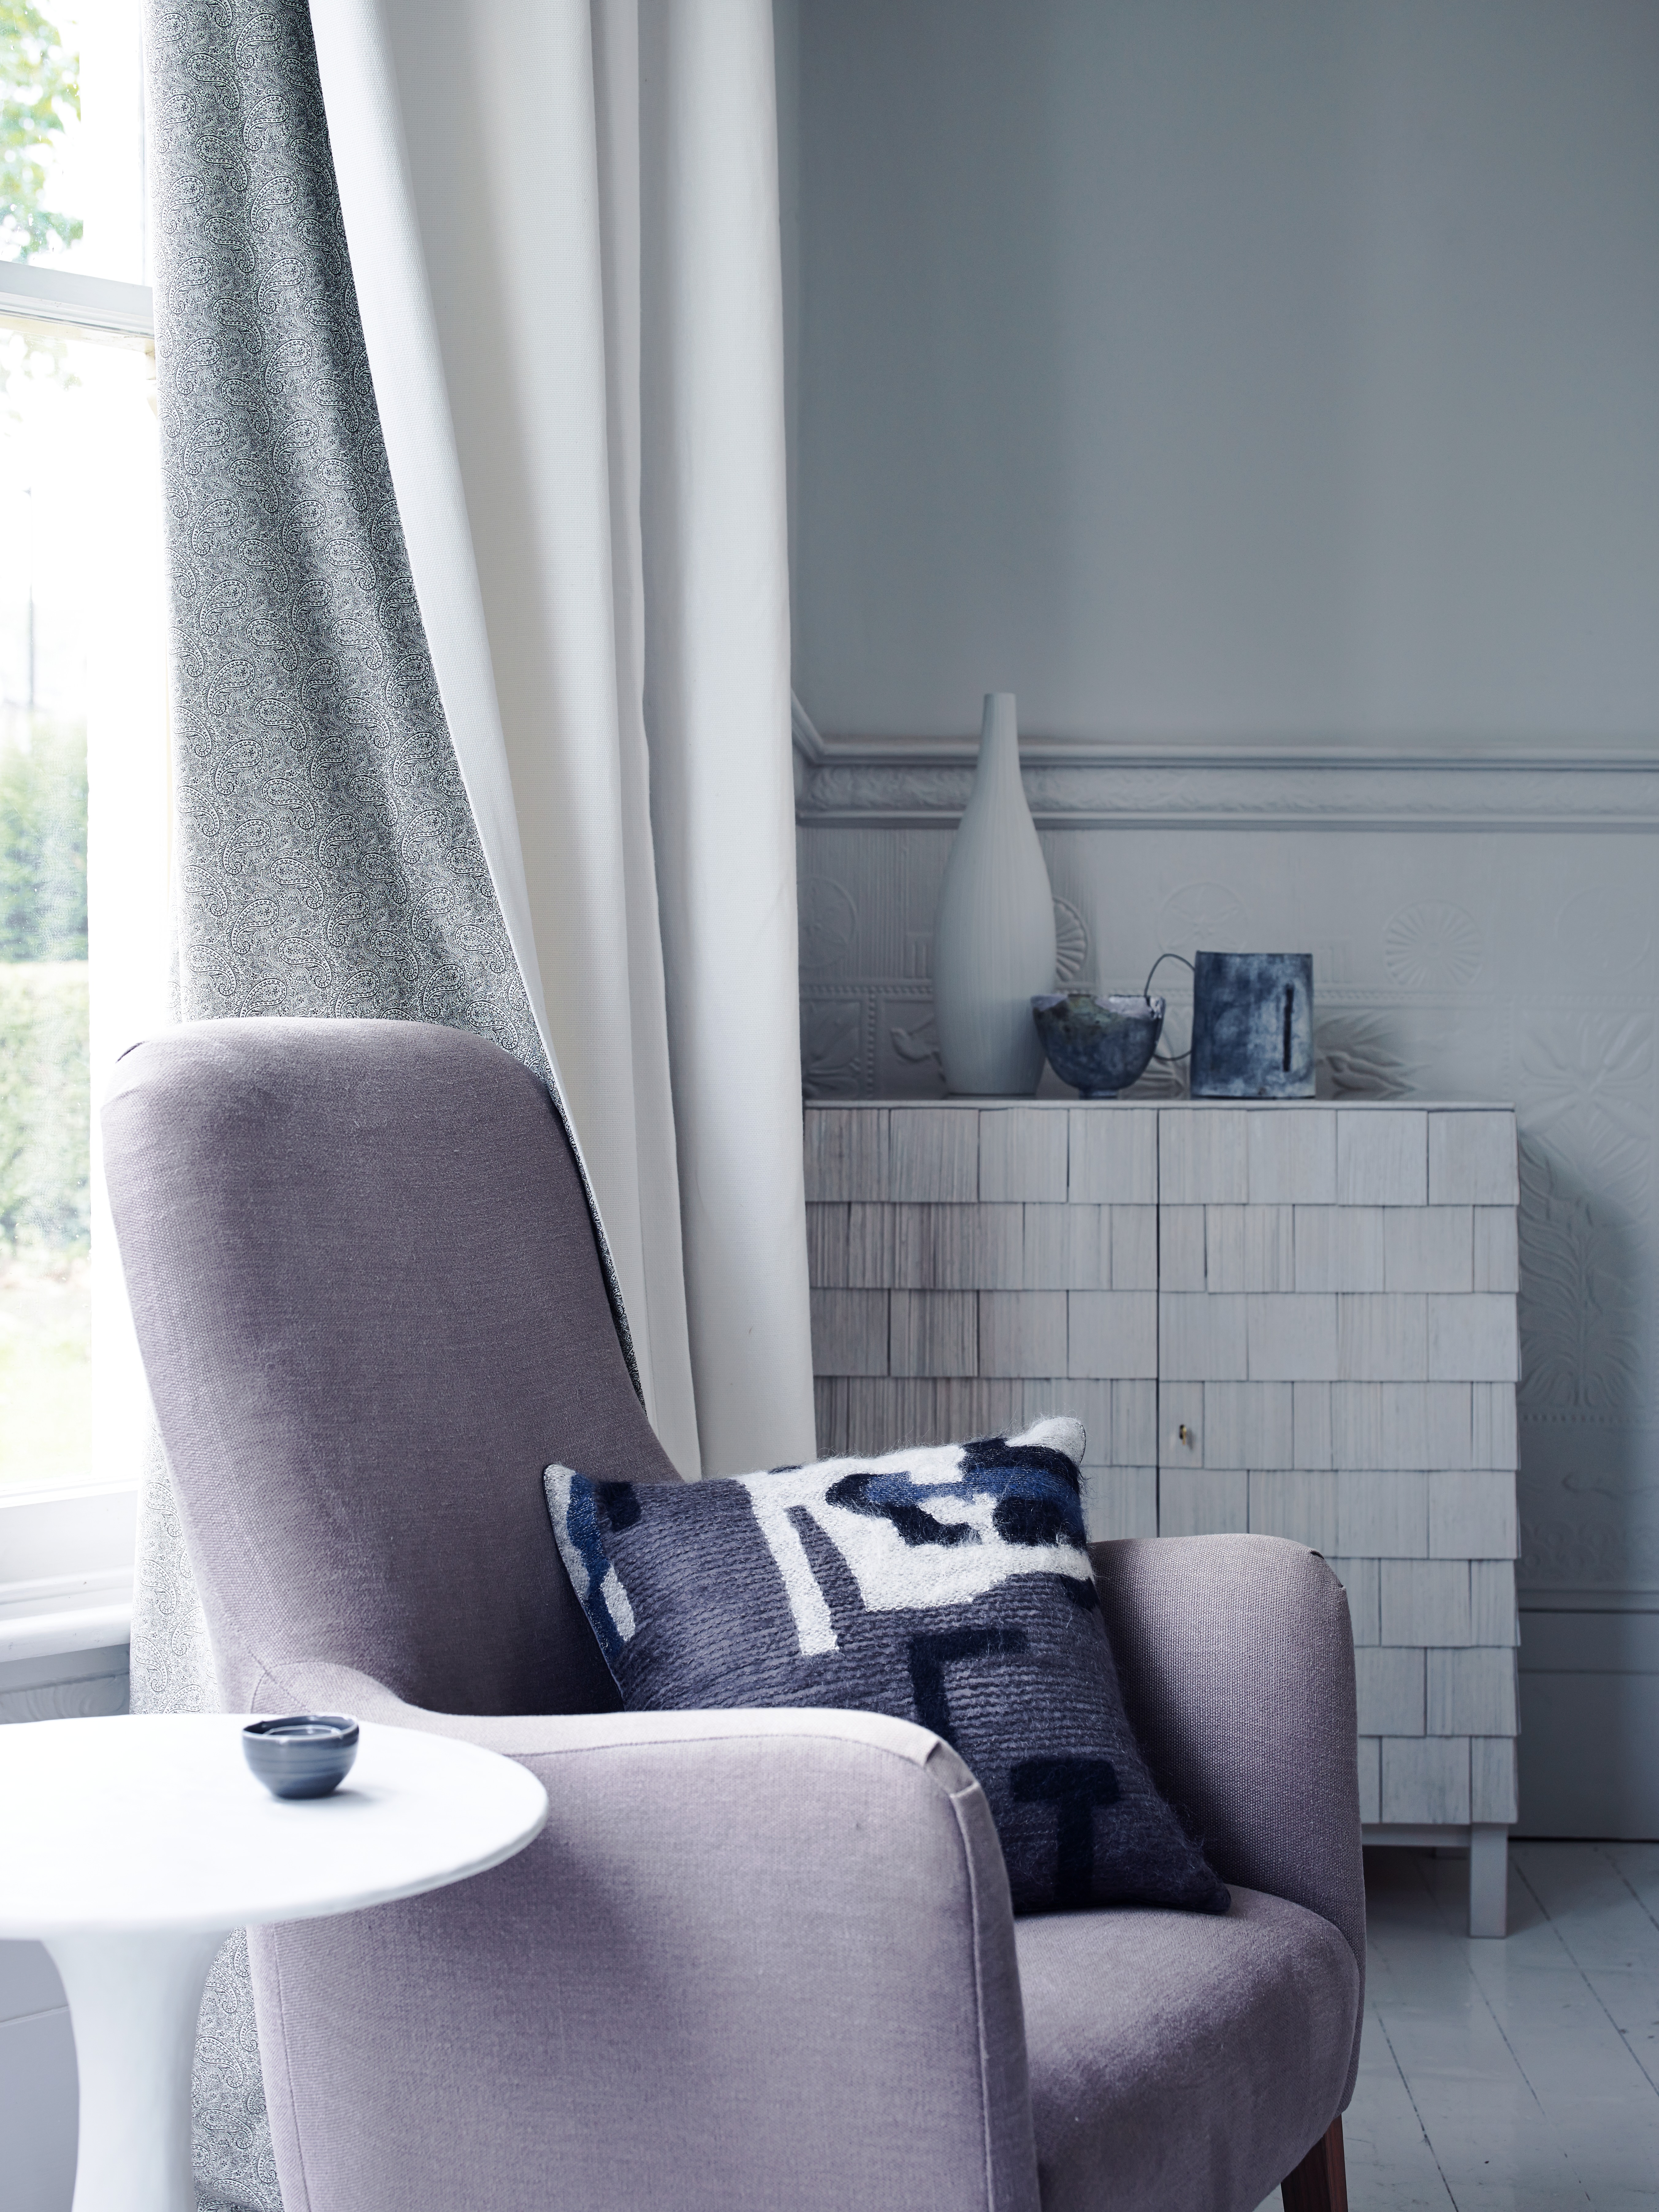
{"x": 155, "y": 1822}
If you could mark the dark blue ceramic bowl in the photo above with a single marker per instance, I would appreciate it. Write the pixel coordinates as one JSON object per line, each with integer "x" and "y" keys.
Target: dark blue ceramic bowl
{"x": 1099, "y": 1046}
{"x": 302, "y": 1754}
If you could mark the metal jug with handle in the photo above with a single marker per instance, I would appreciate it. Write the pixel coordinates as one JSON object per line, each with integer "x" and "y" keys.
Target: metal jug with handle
{"x": 1252, "y": 1025}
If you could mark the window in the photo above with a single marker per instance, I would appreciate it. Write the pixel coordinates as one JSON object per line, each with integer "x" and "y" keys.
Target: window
{"x": 83, "y": 793}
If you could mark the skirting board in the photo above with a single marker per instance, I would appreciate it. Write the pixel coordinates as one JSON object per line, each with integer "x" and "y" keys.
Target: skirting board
{"x": 1488, "y": 1847}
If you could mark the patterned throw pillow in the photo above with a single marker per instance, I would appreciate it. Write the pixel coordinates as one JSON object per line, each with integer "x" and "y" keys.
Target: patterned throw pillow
{"x": 950, "y": 1585}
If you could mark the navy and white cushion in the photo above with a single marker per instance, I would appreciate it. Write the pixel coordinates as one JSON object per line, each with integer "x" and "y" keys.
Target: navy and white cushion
{"x": 950, "y": 1585}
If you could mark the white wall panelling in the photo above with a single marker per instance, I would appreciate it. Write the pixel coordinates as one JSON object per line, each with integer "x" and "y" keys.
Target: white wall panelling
{"x": 1232, "y": 1387}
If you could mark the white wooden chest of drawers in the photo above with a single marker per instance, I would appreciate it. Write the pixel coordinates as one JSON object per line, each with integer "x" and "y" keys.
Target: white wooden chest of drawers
{"x": 1296, "y": 1319}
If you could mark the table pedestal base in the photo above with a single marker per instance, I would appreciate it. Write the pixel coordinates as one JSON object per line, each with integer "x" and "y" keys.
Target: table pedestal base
{"x": 134, "y": 2002}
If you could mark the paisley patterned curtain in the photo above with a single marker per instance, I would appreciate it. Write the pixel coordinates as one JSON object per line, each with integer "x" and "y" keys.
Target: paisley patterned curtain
{"x": 328, "y": 860}
{"x": 329, "y": 863}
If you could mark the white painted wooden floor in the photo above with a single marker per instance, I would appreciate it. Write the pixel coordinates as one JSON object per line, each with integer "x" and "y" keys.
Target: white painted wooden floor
{"x": 1519, "y": 2076}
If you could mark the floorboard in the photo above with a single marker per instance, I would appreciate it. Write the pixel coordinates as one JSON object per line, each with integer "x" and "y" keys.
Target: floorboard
{"x": 1519, "y": 2076}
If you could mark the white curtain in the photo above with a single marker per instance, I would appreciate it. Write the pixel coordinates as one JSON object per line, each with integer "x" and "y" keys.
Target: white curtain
{"x": 563, "y": 218}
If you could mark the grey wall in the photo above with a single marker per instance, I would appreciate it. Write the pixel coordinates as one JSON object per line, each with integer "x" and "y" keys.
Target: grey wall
{"x": 1274, "y": 366}
{"x": 1268, "y": 393}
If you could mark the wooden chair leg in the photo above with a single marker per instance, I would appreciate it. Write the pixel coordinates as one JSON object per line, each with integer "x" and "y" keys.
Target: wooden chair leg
{"x": 1320, "y": 2183}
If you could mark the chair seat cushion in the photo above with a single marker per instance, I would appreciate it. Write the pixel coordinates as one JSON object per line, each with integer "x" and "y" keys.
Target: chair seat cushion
{"x": 1180, "y": 2063}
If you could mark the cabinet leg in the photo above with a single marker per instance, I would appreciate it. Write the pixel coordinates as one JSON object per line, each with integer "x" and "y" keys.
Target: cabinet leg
{"x": 1320, "y": 2183}
{"x": 1489, "y": 1881}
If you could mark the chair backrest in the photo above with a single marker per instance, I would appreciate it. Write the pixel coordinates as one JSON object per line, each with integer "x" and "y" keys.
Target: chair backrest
{"x": 372, "y": 1310}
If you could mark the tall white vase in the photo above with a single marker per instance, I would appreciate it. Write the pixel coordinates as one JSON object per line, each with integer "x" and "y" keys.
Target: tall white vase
{"x": 993, "y": 932}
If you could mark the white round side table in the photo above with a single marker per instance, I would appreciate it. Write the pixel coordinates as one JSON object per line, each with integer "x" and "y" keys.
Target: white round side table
{"x": 132, "y": 1846}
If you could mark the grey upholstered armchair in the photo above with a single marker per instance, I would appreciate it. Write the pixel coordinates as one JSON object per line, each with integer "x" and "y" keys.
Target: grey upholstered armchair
{"x": 757, "y": 1961}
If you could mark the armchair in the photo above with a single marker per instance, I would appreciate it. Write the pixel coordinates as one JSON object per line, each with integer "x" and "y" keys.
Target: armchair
{"x": 756, "y": 1960}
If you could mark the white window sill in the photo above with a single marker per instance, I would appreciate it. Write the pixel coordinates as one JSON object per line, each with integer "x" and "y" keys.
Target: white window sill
{"x": 61, "y": 1684}
{"x": 66, "y": 1571}
{"x": 45, "y": 1623}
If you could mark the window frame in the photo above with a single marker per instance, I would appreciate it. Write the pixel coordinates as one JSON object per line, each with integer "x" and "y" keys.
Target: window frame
{"x": 66, "y": 1552}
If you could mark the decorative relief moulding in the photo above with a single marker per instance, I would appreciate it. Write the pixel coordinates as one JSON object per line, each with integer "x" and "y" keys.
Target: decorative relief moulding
{"x": 919, "y": 782}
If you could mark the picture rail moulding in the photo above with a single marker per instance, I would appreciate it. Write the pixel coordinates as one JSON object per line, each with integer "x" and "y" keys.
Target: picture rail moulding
{"x": 1556, "y": 784}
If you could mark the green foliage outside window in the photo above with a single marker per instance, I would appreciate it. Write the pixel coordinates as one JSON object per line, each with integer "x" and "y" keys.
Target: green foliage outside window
{"x": 45, "y": 1063}
{"x": 40, "y": 93}
{"x": 46, "y": 1398}
{"x": 44, "y": 1069}
{"x": 45, "y": 1131}
{"x": 43, "y": 844}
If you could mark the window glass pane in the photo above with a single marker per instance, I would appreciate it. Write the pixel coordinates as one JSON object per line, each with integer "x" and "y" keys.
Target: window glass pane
{"x": 79, "y": 645}
{"x": 72, "y": 138}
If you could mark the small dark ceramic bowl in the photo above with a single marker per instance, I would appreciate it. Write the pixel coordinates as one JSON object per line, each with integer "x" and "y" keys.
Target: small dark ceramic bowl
{"x": 1099, "y": 1046}
{"x": 302, "y": 1754}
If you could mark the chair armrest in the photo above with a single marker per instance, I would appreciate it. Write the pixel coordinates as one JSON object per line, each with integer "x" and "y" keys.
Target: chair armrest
{"x": 1235, "y": 1658}
{"x": 755, "y": 1958}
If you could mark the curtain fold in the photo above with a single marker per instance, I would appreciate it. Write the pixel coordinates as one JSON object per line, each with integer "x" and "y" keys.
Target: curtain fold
{"x": 717, "y": 706}
{"x": 476, "y": 550}
{"x": 585, "y": 194}
{"x": 328, "y": 862}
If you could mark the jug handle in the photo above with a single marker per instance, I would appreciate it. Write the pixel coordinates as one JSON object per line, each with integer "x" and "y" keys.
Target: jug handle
{"x": 1171, "y": 1059}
